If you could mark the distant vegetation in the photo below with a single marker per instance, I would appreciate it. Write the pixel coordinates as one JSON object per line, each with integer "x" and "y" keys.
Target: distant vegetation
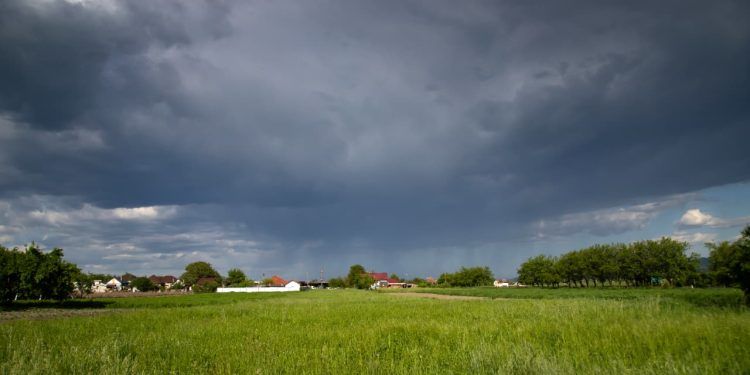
{"x": 358, "y": 277}
{"x": 467, "y": 277}
{"x": 201, "y": 277}
{"x": 643, "y": 263}
{"x": 143, "y": 284}
{"x": 33, "y": 274}
{"x": 729, "y": 263}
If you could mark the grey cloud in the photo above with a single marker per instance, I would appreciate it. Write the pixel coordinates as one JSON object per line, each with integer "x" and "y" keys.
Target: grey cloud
{"x": 397, "y": 126}
{"x": 61, "y": 59}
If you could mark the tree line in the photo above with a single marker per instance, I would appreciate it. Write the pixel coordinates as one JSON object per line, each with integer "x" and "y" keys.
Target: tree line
{"x": 729, "y": 263}
{"x": 643, "y": 263}
{"x": 467, "y": 277}
{"x": 638, "y": 263}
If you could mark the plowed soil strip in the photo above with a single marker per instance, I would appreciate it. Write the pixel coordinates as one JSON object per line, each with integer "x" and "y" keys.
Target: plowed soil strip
{"x": 41, "y": 314}
{"x": 438, "y": 296}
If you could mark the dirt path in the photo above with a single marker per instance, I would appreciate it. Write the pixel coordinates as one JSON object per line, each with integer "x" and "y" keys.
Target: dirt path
{"x": 40, "y": 314}
{"x": 438, "y": 296}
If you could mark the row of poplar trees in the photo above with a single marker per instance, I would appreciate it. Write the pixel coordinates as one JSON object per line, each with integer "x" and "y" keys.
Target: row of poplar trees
{"x": 644, "y": 263}
{"x": 639, "y": 263}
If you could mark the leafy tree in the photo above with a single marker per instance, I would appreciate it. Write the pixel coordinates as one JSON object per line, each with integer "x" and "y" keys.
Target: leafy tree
{"x": 394, "y": 276}
{"x": 10, "y": 275}
{"x": 467, "y": 277}
{"x": 358, "y": 277}
{"x": 206, "y": 286}
{"x": 540, "y": 270}
{"x": 731, "y": 262}
{"x": 55, "y": 276}
{"x": 639, "y": 263}
{"x": 741, "y": 264}
{"x": 267, "y": 281}
{"x": 143, "y": 284}
{"x": 83, "y": 283}
{"x": 235, "y": 277}
{"x": 337, "y": 282}
{"x": 33, "y": 274}
{"x": 720, "y": 262}
{"x": 197, "y": 270}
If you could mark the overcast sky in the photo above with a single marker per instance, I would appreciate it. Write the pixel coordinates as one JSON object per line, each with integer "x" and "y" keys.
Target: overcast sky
{"x": 409, "y": 136}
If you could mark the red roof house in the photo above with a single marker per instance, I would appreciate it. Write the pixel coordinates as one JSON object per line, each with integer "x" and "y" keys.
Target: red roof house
{"x": 380, "y": 276}
{"x": 278, "y": 281}
{"x": 163, "y": 280}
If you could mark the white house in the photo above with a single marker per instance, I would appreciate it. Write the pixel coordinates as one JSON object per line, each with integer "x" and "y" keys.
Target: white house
{"x": 501, "y": 284}
{"x": 98, "y": 287}
{"x": 114, "y": 284}
{"x": 291, "y": 286}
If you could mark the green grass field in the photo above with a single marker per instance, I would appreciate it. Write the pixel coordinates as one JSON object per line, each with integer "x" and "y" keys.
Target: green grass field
{"x": 349, "y": 331}
{"x": 717, "y": 297}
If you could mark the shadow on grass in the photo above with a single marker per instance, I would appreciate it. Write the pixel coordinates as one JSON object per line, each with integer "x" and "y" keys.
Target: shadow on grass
{"x": 74, "y": 304}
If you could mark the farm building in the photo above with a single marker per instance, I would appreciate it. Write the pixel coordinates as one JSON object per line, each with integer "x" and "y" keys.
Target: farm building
{"x": 114, "y": 284}
{"x": 383, "y": 281}
{"x": 317, "y": 284}
{"x": 98, "y": 286}
{"x": 501, "y": 283}
{"x": 277, "y": 281}
{"x": 163, "y": 281}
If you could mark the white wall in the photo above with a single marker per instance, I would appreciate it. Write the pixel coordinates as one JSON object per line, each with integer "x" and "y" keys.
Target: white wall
{"x": 291, "y": 287}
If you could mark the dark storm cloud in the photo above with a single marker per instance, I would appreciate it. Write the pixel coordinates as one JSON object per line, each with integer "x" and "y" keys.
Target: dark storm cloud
{"x": 382, "y": 125}
{"x": 60, "y": 59}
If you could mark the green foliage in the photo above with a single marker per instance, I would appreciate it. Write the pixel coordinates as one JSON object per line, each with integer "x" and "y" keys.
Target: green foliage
{"x": 539, "y": 270}
{"x": 197, "y": 270}
{"x": 720, "y": 262}
{"x": 729, "y": 263}
{"x": 33, "y": 274}
{"x": 83, "y": 283}
{"x": 235, "y": 277}
{"x": 337, "y": 282}
{"x": 642, "y": 263}
{"x": 206, "y": 286}
{"x": 358, "y": 277}
{"x": 467, "y": 277}
{"x": 420, "y": 282}
{"x": 143, "y": 284}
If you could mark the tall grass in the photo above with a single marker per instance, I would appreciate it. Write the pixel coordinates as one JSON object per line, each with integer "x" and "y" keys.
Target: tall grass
{"x": 364, "y": 332}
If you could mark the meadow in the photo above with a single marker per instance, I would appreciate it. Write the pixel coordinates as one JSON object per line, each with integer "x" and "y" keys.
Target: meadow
{"x": 533, "y": 331}
{"x": 713, "y": 297}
